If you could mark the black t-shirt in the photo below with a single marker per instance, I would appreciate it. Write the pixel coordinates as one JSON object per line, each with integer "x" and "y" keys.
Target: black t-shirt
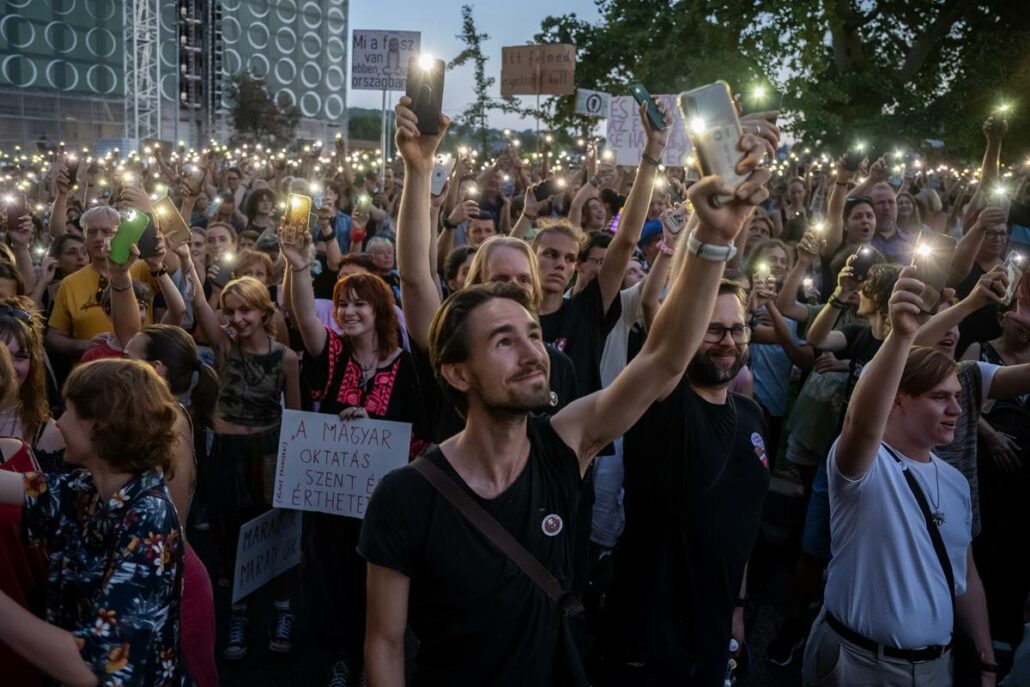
{"x": 479, "y": 619}
{"x": 980, "y": 325}
{"x": 860, "y": 349}
{"x": 444, "y": 421}
{"x": 696, "y": 476}
{"x": 579, "y": 328}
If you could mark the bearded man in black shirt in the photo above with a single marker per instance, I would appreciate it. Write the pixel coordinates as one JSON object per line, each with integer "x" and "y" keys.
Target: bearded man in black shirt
{"x": 696, "y": 476}
{"x": 479, "y": 619}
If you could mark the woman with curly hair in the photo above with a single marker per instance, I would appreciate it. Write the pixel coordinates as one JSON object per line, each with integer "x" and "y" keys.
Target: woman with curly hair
{"x": 111, "y": 533}
{"x": 28, "y": 415}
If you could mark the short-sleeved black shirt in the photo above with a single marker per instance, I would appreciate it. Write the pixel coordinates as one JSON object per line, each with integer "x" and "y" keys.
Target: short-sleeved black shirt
{"x": 980, "y": 325}
{"x": 479, "y": 619}
{"x": 579, "y": 328}
{"x": 860, "y": 349}
{"x": 696, "y": 476}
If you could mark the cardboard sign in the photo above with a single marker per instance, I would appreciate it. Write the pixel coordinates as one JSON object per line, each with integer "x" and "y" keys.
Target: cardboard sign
{"x": 626, "y": 133}
{"x": 592, "y": 103}
{"x": 269, "y": 545}
{"x": 379, "y": 59}
{"x": 327, "y": 465}
{"x": 545, "y": 69}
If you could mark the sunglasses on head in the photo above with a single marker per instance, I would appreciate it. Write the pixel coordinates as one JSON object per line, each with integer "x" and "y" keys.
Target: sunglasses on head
{"x": 17, "y": 313}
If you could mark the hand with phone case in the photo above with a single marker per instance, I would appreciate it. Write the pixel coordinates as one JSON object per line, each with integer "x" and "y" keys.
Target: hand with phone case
{"x": 655, "y": 117}
{"x": 932, "y": 257}
{"x": 415, "y": 148}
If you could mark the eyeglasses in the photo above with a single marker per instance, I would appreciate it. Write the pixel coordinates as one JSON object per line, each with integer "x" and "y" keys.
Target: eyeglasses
{"x": 17, "y": 313}
{"x": 716, "y": 333}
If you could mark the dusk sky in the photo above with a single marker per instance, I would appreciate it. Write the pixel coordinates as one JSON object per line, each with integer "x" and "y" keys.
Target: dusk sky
{"x": 507, "y": 23}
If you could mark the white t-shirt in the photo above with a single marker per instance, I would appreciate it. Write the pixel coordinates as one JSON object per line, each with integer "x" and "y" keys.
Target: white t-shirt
{"x": 616, "y": 346}
{"x": 884, "y": 580}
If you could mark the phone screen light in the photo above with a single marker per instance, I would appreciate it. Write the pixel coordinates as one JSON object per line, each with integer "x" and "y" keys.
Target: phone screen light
{"x": 425, "y": 62}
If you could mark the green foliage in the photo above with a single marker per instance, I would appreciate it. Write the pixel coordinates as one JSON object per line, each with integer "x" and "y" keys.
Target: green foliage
{"x": 891, "y": 70}
{"x": 473, "y": 119}
{"x": 256, "y": 116}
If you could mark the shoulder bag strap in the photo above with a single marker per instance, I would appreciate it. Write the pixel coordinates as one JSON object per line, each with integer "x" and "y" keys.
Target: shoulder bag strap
{"x": 931, "y": 527}
{"x": 497, "y": 535}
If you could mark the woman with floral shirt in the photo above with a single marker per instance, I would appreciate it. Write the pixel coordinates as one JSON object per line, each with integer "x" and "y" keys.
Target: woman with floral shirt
{"x": 112, "y": 536}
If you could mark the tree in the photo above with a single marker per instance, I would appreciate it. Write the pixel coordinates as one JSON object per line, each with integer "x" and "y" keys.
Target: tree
{"x": 474, "y": 116}
{"x": 256, "y": 116}
{"x": 897, "y": 71}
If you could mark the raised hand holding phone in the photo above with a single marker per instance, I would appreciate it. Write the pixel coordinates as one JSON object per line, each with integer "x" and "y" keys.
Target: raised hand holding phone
{"x": 414, "y": 147}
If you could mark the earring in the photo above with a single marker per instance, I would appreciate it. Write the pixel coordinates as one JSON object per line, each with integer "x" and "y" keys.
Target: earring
{"x": 553, "y": 399}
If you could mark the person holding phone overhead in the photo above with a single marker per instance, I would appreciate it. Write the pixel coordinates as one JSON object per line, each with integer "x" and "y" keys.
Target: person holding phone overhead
{"x": 111, "y": 534}
{"x": 256, "y": 372}
{"x": 360, "y": 372}
{"x": 426, "y": 559}
{"x": 901, "y": 516}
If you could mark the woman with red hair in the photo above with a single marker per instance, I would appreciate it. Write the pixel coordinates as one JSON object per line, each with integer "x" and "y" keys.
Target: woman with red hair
{"x": 360, "y": 373}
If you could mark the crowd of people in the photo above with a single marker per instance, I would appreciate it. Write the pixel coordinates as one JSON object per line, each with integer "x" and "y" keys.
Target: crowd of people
{"x": 603, "y": 368}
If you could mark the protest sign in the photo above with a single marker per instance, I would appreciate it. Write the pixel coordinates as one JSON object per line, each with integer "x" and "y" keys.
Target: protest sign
{"x": 544, "y": 69}
{"x": 268, "y": 546}
{"x": 331, "y": 466}
{"x": 379, "y": 59}
{"x": 626, "y": 133}
{"x": 592, "y": 103}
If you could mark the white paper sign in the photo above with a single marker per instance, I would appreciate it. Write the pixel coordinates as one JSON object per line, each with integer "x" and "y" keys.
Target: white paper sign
{"x": 626, "y": 133}
{"x": 379, "y": 59}
{"x": 331, "y": 466}
{"x": 592, "y": 103}
{"x": 269, "y": 545}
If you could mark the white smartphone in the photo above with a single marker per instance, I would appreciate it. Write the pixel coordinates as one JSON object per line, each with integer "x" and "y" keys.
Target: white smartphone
{"x": 714, "y": 131}
{"x": 1015, "y": 266}
{"x": 441, "y": 172}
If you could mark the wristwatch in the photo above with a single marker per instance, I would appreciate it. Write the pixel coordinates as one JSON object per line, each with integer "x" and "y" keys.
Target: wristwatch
{"x": 329, "y": 236}
{"x": 157, "y": 274}
{"x": 448, "y": 224}
{"x": 712, "y": 252}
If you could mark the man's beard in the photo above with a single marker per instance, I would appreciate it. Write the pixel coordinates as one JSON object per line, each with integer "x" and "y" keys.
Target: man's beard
{"x": 520, "y": 402}
{"x": 703, "y": 371}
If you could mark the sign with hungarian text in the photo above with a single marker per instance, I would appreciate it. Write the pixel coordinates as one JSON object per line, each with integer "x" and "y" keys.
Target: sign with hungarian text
{"x": 626, "y": 137}
{"x": 379, "y": 59}
{"x": 542, "y": 69}
{"x": 329, "y": 465}
{"x": 268, "y": 546}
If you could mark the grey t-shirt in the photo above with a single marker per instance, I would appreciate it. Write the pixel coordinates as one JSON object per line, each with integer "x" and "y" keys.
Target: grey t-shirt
{"x": 975, "y": 378}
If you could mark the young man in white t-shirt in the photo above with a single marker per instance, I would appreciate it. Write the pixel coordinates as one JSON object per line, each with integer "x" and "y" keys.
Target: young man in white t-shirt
{"x": 888, "y": 614}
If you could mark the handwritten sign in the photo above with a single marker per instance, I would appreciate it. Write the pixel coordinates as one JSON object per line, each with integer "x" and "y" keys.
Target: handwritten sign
{"x": 544, "y": 69}
{"x": 626, "y": 133}
{"x": 331, "y": 466}
{"x": 269, "y": 545}
{"x": 379, "y": 59}
{"x": 592, "y": 103}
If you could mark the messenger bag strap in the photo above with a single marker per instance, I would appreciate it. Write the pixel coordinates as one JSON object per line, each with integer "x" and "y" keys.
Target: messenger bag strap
{"x": 497, "y": 535}
{"x": 931, "y": 528}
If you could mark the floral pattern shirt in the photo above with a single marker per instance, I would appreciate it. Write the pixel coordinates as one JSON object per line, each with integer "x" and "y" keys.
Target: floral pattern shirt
{"x": 115, "y": 578}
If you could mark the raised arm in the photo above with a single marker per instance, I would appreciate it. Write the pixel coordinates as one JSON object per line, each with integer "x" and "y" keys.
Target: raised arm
{"x": 658, "y": 275}
{"x": 969, "y": 245}
{"x": 989, "y": 289}
{"x": 419, "y": 296}
{"x": 593, "y": 421}
{"x": 874, "y": 394}
{"x": 301, "y": 293}
{"x": 634, "y": 212}
{"x": 786, "y": 300}
{"x": 835, "y": 210}
{"x": 878, "y": 173}
{"x": 995, "y": 129}
{"x": 59, "y": 212}
{"x": 820, "y": 333}
{"x": 531, "y": 209}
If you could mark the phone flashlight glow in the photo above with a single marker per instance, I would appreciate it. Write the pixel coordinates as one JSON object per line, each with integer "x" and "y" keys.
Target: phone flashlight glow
{"x": 425, "y": 62}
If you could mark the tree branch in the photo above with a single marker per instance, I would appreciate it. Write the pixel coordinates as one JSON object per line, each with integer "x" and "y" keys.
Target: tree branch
{"x": 951, "y": 12}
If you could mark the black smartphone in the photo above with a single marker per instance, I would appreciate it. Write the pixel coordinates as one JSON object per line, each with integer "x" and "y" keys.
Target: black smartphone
{"x": 549, "y": 187}
{"x": 865, "y": 258}
{"x": 72, "y": 167}
{"x": 425, "y": 88}
{"x": 17, "y": 208}
{"x": 224, "y": 274}
{"x": 853, "y": 159}
{"x": 760, "y": 99}
{"x": 932, "y": 257}
{"x": 148, "y": 240}
{"x": 654, "y": 116}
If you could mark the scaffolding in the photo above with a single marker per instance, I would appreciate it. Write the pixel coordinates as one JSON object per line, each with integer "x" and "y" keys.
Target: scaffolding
{"x": 142, "y": 66}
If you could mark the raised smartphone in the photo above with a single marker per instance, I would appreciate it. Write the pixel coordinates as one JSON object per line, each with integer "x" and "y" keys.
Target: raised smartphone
{"x": 714, "y": 131}
{"x": 548, "y": 188}
{"x": 170, "y": 223}
{"x": 16, "y": 207}
{"x": 677, "y": 219}
{"x": 425, "y": 88}
{"x": 298, "y": 214}
{"x": 1015, "y": 266}
{"x": 933, "y": 255}
{"x": 129, "y": 232}
{"x": 71, "y": 164}
{"x": 441, "y": 171}
{"x": 654, "y": 115}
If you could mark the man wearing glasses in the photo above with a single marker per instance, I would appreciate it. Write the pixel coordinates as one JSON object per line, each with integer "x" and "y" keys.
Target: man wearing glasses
{"x": 696, "y": 475}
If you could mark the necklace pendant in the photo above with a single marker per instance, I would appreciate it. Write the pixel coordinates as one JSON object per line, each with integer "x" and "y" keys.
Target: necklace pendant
{"x": 938, "y": 518}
